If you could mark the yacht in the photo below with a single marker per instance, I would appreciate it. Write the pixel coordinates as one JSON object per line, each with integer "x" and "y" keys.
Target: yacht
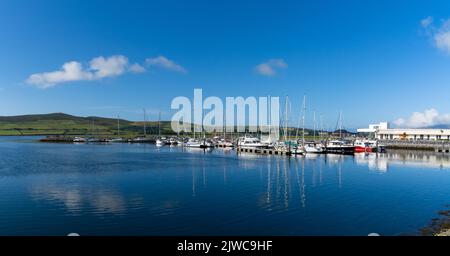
{"x": 313, "y": 147}
{"x": 250, "y": 142}
{"x": 298, "y": 150}
{"x": 194, "y": 143}
{"x": 225, "y": 143}
{"x": 365, "y": 146}
{"x": 339, "y": 147}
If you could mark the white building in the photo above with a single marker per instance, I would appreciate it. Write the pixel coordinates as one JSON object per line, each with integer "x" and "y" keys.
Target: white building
{"x": 373, "y": 128}
{"x": 383, "y": 132}
{"x": 413, "y": 134}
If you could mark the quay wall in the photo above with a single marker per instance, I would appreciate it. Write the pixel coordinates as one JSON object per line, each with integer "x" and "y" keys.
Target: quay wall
{"x": 436, "y": 146}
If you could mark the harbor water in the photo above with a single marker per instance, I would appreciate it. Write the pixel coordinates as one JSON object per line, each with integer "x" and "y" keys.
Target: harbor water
{"x": 140, "y": 189}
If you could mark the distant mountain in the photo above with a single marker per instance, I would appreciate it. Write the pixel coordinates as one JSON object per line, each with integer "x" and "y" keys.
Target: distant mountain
{"x": 343, "y": 131}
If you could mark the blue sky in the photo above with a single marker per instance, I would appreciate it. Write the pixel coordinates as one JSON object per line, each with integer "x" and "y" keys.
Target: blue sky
{"x": 374, "y": 60}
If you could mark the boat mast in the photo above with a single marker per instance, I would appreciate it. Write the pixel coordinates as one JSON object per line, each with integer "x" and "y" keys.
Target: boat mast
{"x": 224, "y": 126}
{"x": 314, "y": 125}
{"x": 145, "y": 127}
{"x": 118, "y": 126}
{"x": 269, "y": 117}
{"x": 340, "y": 125}
{"x": 159, "y": 124}
{"x": 286, "y": 121}
{"x": 93, "y": 126}
{"x": 303, "y": 119}
{"x": 321, "y": 128}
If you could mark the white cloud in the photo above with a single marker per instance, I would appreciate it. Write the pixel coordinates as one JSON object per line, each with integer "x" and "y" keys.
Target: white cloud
{"x": 109, "y": 67}
{"x": 70, "y": 71}
{"x": 165, "y": 63}
{"x": 269, "y": 68}
{"x": 426, "y": 22}
{"x": 442, "y": 41}
{"x": 136, "y": 68}
{"x": 440, "y": 35}
{"x": 428, "y": 118}
{"x": 98, "y": 69}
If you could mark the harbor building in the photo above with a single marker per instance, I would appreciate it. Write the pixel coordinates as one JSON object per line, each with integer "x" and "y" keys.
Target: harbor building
{"x": 382, "y": 131}
{"x": 413, "y": 134}
{"x": 372, "y": 130}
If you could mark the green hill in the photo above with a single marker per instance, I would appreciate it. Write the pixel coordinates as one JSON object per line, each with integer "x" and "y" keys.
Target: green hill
{"x": 60, "y": 123}
{"x": 64, "y": 124}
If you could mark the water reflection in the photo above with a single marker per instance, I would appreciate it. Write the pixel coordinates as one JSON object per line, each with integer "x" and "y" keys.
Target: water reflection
{"x": 76, "y": 200}
{"x": 415, "y": 159}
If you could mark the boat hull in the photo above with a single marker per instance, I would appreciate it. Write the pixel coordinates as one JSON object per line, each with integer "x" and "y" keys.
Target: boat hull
{"x": 344, "y": 150}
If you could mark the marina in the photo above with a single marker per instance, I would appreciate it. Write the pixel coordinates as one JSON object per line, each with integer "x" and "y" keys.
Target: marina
{"x": 142, "y": 189}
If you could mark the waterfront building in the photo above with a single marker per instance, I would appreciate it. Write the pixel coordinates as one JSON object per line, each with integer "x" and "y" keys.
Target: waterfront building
{"x": 372, "y": 130}
{"x": 413, "y": 134}
{"x": 383, "y": 132}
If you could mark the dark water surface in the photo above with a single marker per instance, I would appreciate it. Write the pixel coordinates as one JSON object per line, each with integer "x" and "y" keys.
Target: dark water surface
{"x": 131, "y": 189}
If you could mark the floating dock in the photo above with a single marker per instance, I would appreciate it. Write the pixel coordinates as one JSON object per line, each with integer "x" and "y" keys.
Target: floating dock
{"x": 264, "y": 151}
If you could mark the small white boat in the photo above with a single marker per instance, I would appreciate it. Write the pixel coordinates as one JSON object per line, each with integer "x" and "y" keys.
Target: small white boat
{"x": 224, "y": 143}
{"x": 79, "y": 140}
{"x": 315, "y": 148}
{"x": 159, "y": 143}
{"x": 193, "y": 143}
{"x": 141, "y": 140}
{"x": 115, "y": 140}
{"x": 298, "y": 150}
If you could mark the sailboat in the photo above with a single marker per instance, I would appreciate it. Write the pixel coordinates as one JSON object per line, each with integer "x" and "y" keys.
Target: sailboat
{"x": 118, "y": 139}
{"x": 340, "y": 146}
{"x": 159, "y": 142}
{"x": 313, "y": 146}
{"x": 300, "y": 149}
{"x": 144, "y": 138}
{"x": 93, "y": 139}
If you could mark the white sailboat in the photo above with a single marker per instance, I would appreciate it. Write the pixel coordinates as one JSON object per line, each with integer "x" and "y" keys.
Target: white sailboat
{"x": 340, "y": 146}
{"x": 300, "y": 148}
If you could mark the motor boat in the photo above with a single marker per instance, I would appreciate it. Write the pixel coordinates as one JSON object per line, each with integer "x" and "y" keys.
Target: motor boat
{"x": 339, "y": 147}
{"x": 313, "y": 147}
{"x": 251, "y": 143}
{"x": 365, "y": 146}
{"x": 195, "y": 143}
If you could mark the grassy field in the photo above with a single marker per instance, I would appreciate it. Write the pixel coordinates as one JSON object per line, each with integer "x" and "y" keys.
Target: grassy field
{"x": 63, "y": 124}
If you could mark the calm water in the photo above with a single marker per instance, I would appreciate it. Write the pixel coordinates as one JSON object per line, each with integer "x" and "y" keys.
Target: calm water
{"x": 122, "y": 189}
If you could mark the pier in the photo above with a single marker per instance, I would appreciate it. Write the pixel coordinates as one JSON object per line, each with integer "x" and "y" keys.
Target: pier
{"x": 264, "y": 151}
